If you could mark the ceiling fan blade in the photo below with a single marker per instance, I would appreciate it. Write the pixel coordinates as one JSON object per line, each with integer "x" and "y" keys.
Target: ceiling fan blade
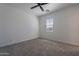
{"x": 43, "y": 3}
{"x": 34, "y": 6}
{"x": 41, "y": 8}
{"x": 38, "y": 3}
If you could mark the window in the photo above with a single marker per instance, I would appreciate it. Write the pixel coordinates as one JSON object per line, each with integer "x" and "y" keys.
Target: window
{"x": 49, "y": 25}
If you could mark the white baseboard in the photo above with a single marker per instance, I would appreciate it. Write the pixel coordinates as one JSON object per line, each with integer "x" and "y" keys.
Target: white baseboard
{"x": 12, "y": 43}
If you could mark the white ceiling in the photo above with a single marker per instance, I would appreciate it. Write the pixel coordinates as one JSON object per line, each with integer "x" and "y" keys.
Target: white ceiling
{"x": 36, "y": 11}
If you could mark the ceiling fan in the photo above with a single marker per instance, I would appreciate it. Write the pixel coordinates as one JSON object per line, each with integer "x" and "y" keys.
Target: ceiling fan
{"x": 39, "y": 5}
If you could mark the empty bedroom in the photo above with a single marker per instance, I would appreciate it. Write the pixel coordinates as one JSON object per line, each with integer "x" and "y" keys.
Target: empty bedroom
{"x": 39, "y": 29}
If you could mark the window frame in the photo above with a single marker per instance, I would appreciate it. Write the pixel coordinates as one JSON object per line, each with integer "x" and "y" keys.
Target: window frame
{"x": 49, "y": 24}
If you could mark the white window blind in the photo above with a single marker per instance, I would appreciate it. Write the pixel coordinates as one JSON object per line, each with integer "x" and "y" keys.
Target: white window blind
{"x": 49, "y": 25}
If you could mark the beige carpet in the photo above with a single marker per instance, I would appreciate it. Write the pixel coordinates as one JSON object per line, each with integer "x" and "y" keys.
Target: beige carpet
{"x": 40, "y": 47}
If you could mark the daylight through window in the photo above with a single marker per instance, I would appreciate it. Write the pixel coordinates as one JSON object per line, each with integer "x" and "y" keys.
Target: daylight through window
{"x": 49, "y": 25}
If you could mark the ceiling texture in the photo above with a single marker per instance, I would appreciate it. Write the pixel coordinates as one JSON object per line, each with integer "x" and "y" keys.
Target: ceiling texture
{"x": 50, "y": 7}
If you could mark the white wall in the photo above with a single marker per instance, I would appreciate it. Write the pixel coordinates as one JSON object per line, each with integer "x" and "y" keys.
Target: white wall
{"x": 16, "y": 26}
{"x": 66, "y": 25}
